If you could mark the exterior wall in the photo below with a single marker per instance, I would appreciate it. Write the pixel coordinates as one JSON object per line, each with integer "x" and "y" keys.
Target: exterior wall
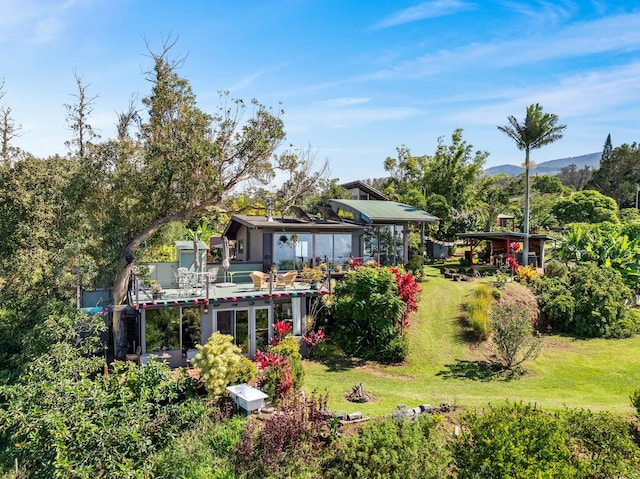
{"x": 163, "y": 273}
{"x": 254, "y": 244}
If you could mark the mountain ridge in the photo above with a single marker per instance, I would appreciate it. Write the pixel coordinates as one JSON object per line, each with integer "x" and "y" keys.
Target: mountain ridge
{"x": 551, "y": 167}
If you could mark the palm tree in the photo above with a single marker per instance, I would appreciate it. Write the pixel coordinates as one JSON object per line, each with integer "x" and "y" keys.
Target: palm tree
{"x": 537, "y": 129}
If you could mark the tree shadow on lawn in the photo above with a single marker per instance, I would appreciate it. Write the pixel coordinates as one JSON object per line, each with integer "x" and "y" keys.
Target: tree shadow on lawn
{"x": 334, "y": 359}
{"x": 476, "y": 371}
{"x": 341, "y": 364}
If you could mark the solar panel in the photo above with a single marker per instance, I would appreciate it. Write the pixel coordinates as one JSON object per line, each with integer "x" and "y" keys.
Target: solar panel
{"x": 300, "y": 214}
{"x": 329, "y": 214}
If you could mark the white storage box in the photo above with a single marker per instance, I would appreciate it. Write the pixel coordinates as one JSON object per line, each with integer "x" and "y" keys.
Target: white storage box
{"x": 247, "y": 397}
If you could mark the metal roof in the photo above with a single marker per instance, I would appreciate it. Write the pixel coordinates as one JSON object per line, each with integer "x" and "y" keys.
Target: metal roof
{"x": 383, "y": 212}
{"x": 188, "y": 245}
{"x": 501, "y": 235}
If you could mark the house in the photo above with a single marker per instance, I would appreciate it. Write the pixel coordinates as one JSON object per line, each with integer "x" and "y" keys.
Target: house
{"x": 359, "y": 190}
{"x": 222, "y": 296}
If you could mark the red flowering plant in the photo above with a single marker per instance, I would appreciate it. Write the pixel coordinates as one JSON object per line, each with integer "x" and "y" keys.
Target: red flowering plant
{"x": 312, "y": 340}
{"x": 355, "y": 263}
{"x": 514, "y": 247}
{"x": 281, "y": 330}
{"x": 408, "y": 290}
{"x": 275, "y": 377}
{"x": 512, "y": 263}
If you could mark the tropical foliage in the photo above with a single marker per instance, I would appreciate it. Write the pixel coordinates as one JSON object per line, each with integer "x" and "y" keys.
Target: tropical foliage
{"x": 606, "y": 244}
{"x": 367, "y": 315}
{"x": 590, "y": 302}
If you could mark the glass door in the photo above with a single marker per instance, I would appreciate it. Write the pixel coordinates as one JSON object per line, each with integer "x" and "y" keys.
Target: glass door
{"x": 235, "y": 323}
{"x": 242, "y": 330}
{"x": 261, "y": 316}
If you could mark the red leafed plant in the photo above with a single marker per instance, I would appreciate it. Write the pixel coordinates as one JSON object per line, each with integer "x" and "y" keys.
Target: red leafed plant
{"x": 408, "y": 290}
{"x": 275, "y": 376}
{"x": 512, "y": 262}
{"x": 355, "y": 262}
{"x": 312, "y": 340}
{"x": 514, "y": 247}
{"x": 281, "y": 329}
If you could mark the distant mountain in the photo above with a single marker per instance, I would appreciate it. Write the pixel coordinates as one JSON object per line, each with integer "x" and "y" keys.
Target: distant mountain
{"x": 551, "y": 167}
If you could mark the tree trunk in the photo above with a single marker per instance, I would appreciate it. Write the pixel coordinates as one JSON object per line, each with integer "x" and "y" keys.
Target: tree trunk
{"x": 525, "y": 250}
{"x": 120, "y": 287}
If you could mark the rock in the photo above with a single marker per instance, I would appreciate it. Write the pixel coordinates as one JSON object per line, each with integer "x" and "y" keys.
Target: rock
{"x": 428, "y": 408}
{"x": 354, "y": 416}
{"x": 444, "y": 407}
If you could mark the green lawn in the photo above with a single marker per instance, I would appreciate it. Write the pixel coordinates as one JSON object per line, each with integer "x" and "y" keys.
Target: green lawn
{"x": 596, "y": 374}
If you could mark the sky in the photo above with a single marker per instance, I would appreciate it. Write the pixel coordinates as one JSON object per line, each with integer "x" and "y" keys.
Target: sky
{"x": 356, "y": 79}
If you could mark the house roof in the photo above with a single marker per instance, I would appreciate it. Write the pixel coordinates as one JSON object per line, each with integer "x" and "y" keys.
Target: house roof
{"x": 361, "y": 185}
{"x": 382, "y": 212}
{"x": 188, "y": 245}
{"x": 503, "y": 235}
{"x": 285, "y": 224}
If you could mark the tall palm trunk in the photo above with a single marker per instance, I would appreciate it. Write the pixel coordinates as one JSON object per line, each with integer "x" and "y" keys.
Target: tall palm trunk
{"x": 525, "y": 250}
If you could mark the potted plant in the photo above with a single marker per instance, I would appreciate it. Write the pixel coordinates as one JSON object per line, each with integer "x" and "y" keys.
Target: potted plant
{"x": 156, "y": 289}
{"x": 313, "y": 276}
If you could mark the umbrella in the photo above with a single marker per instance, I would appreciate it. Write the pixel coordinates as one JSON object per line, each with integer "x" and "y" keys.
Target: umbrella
{"x": 196, "y": 260}
{"x": 225, "y": 256}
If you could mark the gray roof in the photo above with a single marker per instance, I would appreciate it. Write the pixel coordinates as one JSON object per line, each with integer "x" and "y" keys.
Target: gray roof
{"x": 286, "y": 224}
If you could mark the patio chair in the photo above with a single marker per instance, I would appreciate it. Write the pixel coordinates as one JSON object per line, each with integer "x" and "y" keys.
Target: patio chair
{"x": 183, "y": 278}
{"x": 287, "y": 280}
{"x": 191, "y": 353}
{"x": 144, "y": 359}
{"x": 213, "y": 274}
{"x": 260, "y": 279}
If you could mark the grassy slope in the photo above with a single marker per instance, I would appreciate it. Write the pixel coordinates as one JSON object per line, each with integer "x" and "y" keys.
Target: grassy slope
{"x": 595, "y": 374}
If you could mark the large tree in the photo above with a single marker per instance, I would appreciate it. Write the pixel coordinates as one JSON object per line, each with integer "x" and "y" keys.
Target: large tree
{"x": 536, "y": 130}
{"x": 9, "y": 129}
{"x": 182, "y": 164}
{"x": 619, "y": 175}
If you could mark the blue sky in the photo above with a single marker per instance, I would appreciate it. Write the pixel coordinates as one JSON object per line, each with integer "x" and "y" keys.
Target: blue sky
{"x": 356, "y": 78}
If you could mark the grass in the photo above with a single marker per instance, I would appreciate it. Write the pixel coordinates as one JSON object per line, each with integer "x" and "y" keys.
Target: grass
{"x": 446, "y": 365}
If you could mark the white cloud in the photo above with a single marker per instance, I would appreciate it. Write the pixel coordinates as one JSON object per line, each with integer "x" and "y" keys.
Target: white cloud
{"x": 34, "y": 21}
{"x": 433, "y": 9}
{"x": 616, "y": 33}
{"x": 341, "y": 102}
{"x": 576, "y": 96}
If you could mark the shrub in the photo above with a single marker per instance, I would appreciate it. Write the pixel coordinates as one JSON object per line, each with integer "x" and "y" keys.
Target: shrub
{"x": 289, "y": 347}
{"x": 555, "y": 269}
{"x": 520, "y": 441}
{"x": 635, "y": 400}
{"x": 66, "y": 420}
{"x": 275, "y": 377}
{"x": 366, "y": 312}
{"x": 513, "y": 335}
{"x": 526, "y": 273}
{"x": 416, "y": 266}
{"x": 285, "y": 445}
{"x": 220, "y": 363}
{"x": 387, "y": 448}
{"x": 589, "y": 302}
{"x": 600, "y": 297}
{"x": 203, "y": 452}
{"x": 477, "y": 310}
{"x": 515, "y": 441}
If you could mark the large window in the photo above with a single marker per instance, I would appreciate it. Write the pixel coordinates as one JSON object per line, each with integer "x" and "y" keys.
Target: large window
{"x": 333, "y": 249}
{"x": 172, "y": 328}
{"x": 291, "y": 251}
